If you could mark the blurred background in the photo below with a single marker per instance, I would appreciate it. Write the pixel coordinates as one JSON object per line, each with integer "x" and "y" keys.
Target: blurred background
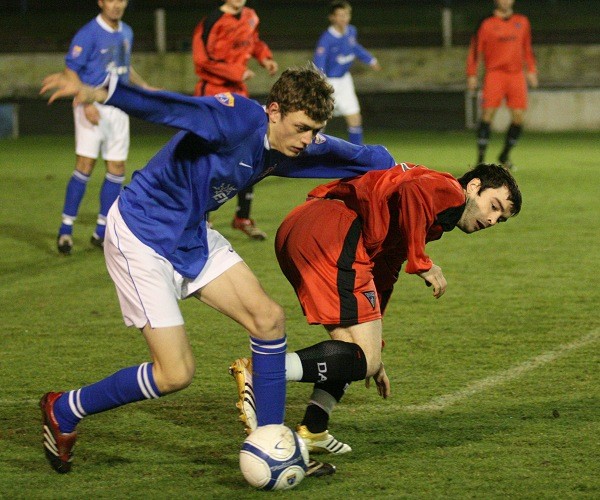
{"x": 421, "y": 44}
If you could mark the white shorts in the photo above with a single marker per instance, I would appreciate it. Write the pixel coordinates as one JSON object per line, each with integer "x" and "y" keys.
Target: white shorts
{"x": 110, "y": 137}
{"x": 147, "y": 285}
{"x": 346, "y": 102}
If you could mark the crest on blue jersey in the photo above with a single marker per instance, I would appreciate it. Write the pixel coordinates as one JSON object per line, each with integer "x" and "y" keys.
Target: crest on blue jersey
{"x": 319, "y": 139}
{"x": 76, "y": 51}
{"x": 226, "y": 99}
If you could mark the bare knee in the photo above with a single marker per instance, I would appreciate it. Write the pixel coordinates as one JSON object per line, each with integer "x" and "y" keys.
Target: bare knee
{"x": 174, "y": 378}
{"x": 115, "y": 167}
{"x": 267, "y": 321}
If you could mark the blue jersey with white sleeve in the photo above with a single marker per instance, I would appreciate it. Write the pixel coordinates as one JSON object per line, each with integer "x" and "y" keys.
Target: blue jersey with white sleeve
{"x": 221, "y": 149}
{"x": 336, "y": 52}
{"x": 97, "y": 50}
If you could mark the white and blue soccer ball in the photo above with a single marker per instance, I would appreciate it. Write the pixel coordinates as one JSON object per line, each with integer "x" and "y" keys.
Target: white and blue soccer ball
{"x": 273, "y": 457}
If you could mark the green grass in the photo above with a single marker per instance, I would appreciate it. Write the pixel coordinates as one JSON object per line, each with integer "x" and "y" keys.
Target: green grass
{"x": 496, "y": 386}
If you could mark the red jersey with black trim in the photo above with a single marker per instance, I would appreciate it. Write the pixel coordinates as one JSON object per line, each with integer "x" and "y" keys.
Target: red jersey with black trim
{"x": 401, "y": 209}
{"x": 503, "y": 44}
{"x": 223, "y": 43}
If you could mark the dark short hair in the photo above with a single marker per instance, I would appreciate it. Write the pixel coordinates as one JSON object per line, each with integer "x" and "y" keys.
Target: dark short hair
{"x": 494, "y": 176}
{"x": 303, "y": 89}
{"x": 338, "y": 4}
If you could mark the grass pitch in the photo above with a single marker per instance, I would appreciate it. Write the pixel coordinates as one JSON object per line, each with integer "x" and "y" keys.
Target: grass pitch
{"x": 496, "y": 386}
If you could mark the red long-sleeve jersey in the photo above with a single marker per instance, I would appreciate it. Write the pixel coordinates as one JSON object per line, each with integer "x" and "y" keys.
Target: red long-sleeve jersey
{"x": 401, "y": 209}
{"x": 503, "y": 44}
{"x": 223, "y": 43}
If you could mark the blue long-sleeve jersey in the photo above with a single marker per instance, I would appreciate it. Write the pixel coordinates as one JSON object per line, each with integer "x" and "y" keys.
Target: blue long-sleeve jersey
{"x": 335, "y": 52}
{"x": 221, "y": 149}
{"x": 97, "y": 51}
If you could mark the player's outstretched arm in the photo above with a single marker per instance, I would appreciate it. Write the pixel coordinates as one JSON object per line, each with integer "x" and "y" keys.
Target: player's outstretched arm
{"x": 64, "y": 85}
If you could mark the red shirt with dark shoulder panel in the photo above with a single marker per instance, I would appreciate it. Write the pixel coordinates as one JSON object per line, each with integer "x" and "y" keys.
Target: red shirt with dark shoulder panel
{"x": 401, "y": 209}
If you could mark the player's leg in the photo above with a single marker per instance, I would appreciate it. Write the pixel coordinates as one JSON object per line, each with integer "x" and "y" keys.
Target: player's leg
{"x": 484, "y": 132}
{"x": 114, "y": 125}
{"x": 334, "y": 380}
{"x": 238, "y": 294}
{"x": 335, "y": 287}
{"x": 492, "y": 94}
{"x": 87, "y": 146}
{"x": 171, "y": 369}
{"x": 349, "y": 107}
{"x": 355, "y": 130}
{"x": 74, "y": 194}
{"x": 242, "y": 220}
{"x": 148, "y": 297}
{"x": 516, "y": 100}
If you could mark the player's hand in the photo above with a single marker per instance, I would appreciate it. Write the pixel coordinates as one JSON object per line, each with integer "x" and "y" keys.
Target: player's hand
{"x": 376, "y": 66}
{"x": 532, "y": 80}
{"x": 435, "y": 278}
{"x": 382, "y": 381}
{"x": 91, "y": 113}
{"x": 69, "y": 87}
{"x": 248, "y": 74}
{"x": 472, "y": 83}
{"x": 271, "y": 66}
{"x": 62, "y": 85}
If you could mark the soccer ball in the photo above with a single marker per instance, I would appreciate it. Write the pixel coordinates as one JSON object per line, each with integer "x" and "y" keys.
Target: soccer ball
{"x": 273, "y": 457}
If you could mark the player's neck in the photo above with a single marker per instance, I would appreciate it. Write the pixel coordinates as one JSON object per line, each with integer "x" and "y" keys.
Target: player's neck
{"x": 113, "y": 23}
{"x": 504, "y": 14}
{"x": 230, "y": 10}
{"x": 340, "y": 29}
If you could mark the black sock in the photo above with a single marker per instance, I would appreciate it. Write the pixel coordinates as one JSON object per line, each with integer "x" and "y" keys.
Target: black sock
{"x": 316, "y": 418}
{"x": 483, "y": 139}
{"x": 244, "y": 201}
{"x": 512, "y": 136}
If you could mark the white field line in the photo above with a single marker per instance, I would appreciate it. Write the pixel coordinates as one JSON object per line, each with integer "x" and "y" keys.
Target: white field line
{"x": 446, "y": 400}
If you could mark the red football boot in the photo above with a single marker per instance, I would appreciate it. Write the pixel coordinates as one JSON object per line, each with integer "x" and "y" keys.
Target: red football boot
{"x": 57, "y": 445}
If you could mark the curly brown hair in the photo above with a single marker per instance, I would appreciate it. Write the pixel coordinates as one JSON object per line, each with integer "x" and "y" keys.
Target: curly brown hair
{"x": 303, "y": 89}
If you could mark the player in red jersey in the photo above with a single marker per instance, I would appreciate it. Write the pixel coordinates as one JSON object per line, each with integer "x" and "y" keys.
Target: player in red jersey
{"x": 222, "y": 44}
{"x": 342, "y": 251}
{"x": 503, "y": 41}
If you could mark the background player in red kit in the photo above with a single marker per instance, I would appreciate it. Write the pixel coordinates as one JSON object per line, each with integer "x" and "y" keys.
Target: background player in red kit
{"x": 503, "y": 41}
{"x": 342, "y": 251}
{"x": 222, "y": 44}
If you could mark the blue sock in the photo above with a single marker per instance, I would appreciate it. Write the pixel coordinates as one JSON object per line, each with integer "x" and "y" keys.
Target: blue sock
{"x": 128, "y": 385}
{"x": 268, "y": 379}
{"x": 355, "y": 135}
{"x": 111, "y": 187}
{"x": 75, "y": 191}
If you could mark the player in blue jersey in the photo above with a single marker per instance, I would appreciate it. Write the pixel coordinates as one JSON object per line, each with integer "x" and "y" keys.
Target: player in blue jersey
{"x": 336, "y": 51}
{"x": 158, "y": 248}
{"x": 101, "y": 46}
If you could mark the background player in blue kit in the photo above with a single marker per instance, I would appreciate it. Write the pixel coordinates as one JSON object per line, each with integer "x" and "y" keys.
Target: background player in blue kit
{"x": 336, "y": 51}
{"x": 101, "y": 46}
{"x": 158, "y": 248}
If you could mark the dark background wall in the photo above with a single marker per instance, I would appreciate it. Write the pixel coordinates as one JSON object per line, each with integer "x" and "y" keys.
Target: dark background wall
{"x": 401, "y": 110}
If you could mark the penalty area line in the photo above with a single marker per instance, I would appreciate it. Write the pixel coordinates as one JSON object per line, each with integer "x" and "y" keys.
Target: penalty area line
{"x": 446, "y": 400}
